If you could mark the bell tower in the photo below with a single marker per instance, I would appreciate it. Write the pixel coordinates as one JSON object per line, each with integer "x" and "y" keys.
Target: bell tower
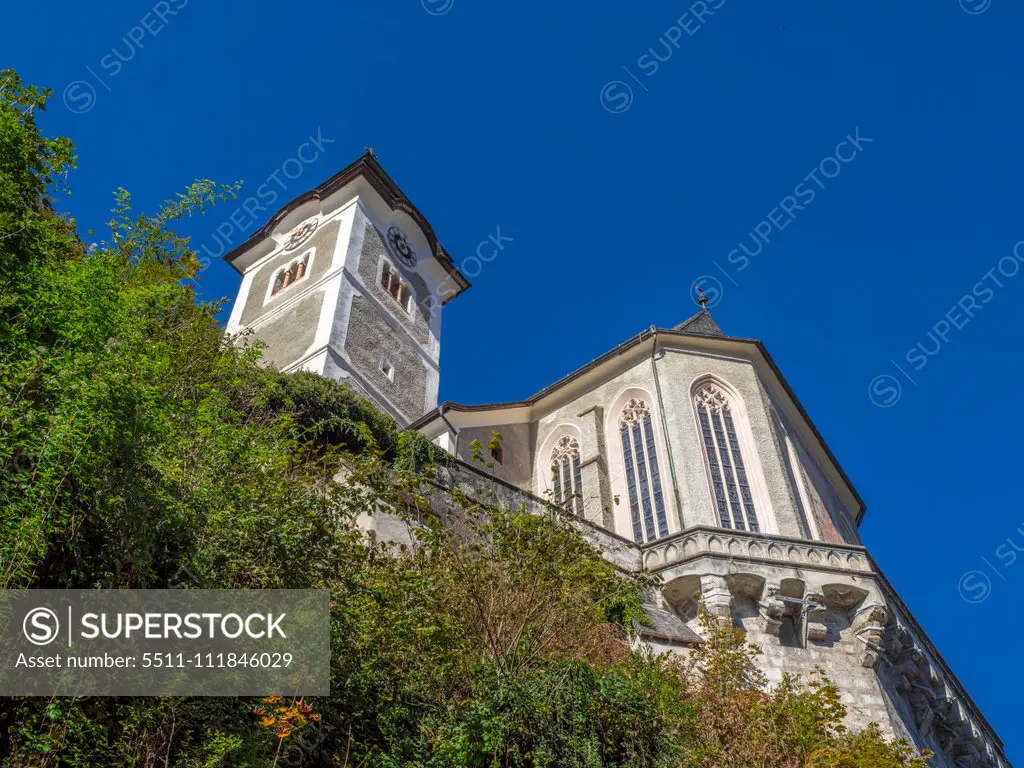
{"x": 348, "y": 280}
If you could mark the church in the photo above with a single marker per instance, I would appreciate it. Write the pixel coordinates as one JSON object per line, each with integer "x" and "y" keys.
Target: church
{"x": 682, "y": 451}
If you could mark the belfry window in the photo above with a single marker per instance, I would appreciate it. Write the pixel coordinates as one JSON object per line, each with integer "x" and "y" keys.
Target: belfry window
{"x": 288, "y": 276}
{"x": 729, "y": 483}
{"x": 567, "y": 476}
{"x": 392, "y": 284}
{"x": 643, "y": 478}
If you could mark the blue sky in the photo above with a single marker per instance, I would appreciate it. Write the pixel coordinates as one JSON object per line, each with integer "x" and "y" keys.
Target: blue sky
{"x": 622, "y": 179}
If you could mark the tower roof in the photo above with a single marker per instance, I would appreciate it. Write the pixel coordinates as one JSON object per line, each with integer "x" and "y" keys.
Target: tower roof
{"x": 367, "y": 167}
{"x": 701, "y": 324}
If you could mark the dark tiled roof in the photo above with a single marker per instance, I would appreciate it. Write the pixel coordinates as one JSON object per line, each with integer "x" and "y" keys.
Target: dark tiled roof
{"x": 367, "y": 167}
{"x": 669, "y": 627}
{"x": 701, "y": 324}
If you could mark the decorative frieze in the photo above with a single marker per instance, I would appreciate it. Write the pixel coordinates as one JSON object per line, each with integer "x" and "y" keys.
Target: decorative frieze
{"x": 696, "y": 542}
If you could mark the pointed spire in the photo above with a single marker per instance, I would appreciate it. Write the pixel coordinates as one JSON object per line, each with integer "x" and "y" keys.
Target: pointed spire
{"x": 702, "y": 299}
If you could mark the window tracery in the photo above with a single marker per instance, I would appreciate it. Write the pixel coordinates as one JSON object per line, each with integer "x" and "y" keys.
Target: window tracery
{"x": 567, "y": 478}
{"x": 643, "y": 477}
{"x": 730, "y": 485}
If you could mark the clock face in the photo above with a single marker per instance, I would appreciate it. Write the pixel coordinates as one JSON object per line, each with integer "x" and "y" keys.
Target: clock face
{"x": 400, "y": 244}
{"x": 301, "y": 234}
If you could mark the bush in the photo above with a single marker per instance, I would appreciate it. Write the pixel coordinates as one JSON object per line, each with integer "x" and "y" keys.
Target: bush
{"x": 139, "y": 450}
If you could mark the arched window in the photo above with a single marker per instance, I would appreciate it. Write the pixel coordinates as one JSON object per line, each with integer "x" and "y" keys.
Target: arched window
{"x": 643, "y": 479}
{"x": 294, "y": 272}
{"x": 729, "y": 483}
{"x": 567, "y": 479}
{"x": 394, "y": 286}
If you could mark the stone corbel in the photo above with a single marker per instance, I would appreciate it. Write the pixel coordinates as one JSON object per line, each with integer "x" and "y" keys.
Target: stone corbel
{"x": 906, "y": 668}
{"x": 925, "y": 720}
{"x": 989, "y": 758}
{"x": 902, "y": 684}
{"x": 945, "y": 735}
{"x": 941, "y": 704}
{"x": 898, "y": 641}
{"x": 923, "y": 711}
{"x": 814, "y": 613}
{"x": 869, "y": 627}
{"x": 716, "y": 596}
{"x": 966, "y": 754}
{"x": 771, "y": 610}
{"x": 980, "y": 743}
{"x": 909, "y": 664}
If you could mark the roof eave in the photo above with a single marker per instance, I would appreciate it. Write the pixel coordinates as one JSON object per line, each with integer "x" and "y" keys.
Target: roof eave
{"x": 370, "y": 169}
{"x": 639, "y": 339}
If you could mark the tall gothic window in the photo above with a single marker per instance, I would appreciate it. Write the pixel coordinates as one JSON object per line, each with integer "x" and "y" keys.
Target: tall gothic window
{"x": 729, "y": 482}
{"x": 567, "y": 479}
{"x": 643, "y": 479}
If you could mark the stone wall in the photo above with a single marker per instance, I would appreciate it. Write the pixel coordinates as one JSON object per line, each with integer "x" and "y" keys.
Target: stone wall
{"x": 805, "y": 604}
{"x": 371, "y": 339}
{"x": 289, "y": 334}
{"x": 372, "y": 251}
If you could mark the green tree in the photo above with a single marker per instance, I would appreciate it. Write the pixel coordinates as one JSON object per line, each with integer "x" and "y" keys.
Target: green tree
{"x": 139, "y": 448}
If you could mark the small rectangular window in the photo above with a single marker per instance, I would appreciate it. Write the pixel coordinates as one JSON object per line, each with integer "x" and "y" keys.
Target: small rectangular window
{"x": 387, "y": 369}
{"x": 498, "y": 454}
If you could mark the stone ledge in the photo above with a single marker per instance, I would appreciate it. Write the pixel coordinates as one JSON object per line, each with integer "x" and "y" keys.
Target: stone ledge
{"x": 720, "y": 542}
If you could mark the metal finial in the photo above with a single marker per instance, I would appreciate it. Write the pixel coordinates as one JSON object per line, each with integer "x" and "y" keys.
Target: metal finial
{"x": 370, "y": 151}
{"x": 702, "y": 299}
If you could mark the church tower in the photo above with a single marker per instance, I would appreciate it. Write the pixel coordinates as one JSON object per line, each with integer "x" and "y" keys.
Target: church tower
{"x": 348, "y": 281}
{"x": 681, "y": 453}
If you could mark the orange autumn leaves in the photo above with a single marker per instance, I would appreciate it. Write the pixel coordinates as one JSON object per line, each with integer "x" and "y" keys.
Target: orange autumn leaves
{"x": 285, "y": 719}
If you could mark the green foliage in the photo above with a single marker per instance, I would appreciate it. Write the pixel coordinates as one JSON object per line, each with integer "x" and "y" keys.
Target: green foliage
{"x": 139, "y": 449}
